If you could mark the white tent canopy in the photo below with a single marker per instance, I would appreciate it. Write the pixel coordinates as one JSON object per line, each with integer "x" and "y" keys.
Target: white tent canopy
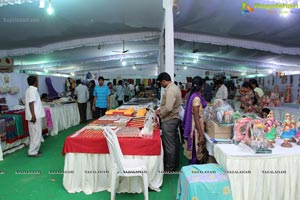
{"x": 84, "y": 35}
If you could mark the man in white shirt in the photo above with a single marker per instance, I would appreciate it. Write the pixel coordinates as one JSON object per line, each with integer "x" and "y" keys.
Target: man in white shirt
{"x": 222, "y": 92}
{"x": 131, "y": 87}
{"x": 82, "y": 93}
{"x": 126, "y": 92}
{"x": 34, "y": 113}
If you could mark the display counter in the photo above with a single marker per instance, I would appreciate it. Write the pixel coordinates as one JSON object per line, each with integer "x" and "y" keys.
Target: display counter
{"x": 87, "y": 162}
{"x": 273, "y": 176}
{"x": 63, "y": 116}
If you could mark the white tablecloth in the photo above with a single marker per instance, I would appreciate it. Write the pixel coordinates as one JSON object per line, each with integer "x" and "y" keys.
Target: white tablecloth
{"x": 63, "y": 116}
{"x": 91, "y": 173}
{"x": 273, "y": 176}
{"x": 209, "y": 145}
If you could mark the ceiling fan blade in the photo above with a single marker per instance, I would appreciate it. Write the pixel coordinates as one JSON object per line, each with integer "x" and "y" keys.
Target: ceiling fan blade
{"x": 195, "y": 50}
{"x": 123, "y": 50}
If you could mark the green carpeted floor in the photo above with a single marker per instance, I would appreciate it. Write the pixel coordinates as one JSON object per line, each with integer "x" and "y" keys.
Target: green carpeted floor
{"x": 39, "y": 186}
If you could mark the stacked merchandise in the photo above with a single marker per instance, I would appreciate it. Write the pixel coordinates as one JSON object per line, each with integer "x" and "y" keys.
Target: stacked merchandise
{"x": 219, "y": 120}
{"x": 3, "y": 105}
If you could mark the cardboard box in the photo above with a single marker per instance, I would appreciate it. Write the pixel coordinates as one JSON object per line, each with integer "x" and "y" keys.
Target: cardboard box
{"x": 216, "y": 131}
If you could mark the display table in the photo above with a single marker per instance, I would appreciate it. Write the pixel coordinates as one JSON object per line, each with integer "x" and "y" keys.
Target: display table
{"x": 87, "y": 162}
{"x": 19, "y": 116}
{"x": 2, "y": 136}
{"x": 17, "y": 134}
{"x": 15, "y": 137}
{"x": 21, "y": 113}
{"x": 20, "y": 131}
{"x": 209, "y": 145}
{"x": 10, "y": 127}
{"x": 273, "y": 176}
{"x": 63, "y": 116}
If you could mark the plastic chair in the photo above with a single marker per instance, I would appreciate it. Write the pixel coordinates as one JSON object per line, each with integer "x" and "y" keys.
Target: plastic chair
{"x": 123, "y": 166}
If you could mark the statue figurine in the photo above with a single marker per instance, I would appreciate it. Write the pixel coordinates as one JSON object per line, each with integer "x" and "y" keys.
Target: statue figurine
{"x": 271, "y": 116}
{"x": 271, "y": 137}
{"x": 293, "y": 126}
{"x": 286, "y": 134}
{"x": 288, "y": 98}
{"x": 270, "y": 133}
{"x": 298, "y": 132}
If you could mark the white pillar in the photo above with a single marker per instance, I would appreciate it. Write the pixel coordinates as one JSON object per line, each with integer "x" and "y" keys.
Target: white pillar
{"x": 161, "y": 55}
{"x": 169, "y": 38}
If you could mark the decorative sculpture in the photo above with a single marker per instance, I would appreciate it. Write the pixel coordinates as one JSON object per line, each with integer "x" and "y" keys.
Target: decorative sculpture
{"x": 270, "y": 132}
{"x": 298, "y": 132}
{"x": 286, "y": 134}
{"x": 288, "y": 98}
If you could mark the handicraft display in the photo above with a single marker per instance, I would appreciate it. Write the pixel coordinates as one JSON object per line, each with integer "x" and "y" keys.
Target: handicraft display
{"x": 129, "y": 132}
{"x": 259, "y": 133}
{"x": 220, "y": 112}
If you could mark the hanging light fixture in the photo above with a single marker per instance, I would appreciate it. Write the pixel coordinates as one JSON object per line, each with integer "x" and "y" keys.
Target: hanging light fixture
{"x": 42, "y": 4}
{"x": 50, "y": 10}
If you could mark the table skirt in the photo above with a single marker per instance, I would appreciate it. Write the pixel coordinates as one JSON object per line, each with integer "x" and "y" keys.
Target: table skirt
{"x": 91, "y": 173}
{"x": 63, "y": 116}
{"x": 263, "y": 177}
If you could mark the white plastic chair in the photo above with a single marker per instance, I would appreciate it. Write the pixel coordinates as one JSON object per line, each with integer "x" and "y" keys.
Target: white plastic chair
{"x": 123, "y": 166}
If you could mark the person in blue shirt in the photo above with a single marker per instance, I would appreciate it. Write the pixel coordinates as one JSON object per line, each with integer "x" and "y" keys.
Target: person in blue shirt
{"x": 101, "y": 98}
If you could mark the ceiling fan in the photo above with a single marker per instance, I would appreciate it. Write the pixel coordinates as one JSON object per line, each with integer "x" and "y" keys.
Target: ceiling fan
{"x": 195, "y": 49}
{"x": 124, "y": 50}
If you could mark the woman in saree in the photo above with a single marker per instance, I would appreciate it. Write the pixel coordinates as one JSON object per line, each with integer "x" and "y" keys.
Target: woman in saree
{"x": 193, "y": 122}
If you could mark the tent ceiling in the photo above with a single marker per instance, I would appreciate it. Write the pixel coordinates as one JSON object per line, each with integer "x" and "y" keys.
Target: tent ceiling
{"x": 212, "y": 36}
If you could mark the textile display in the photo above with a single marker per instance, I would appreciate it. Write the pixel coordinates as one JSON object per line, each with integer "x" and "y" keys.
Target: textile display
{"x": 48, "y": 118}
{"x": 93, "y": 141}
{"x": 10, "y": 125}
{"x": 22, "y": 113}
{"x": 2, "y": 130}
{"x": 51, "y": 91}
{"x": 20, "y": 133}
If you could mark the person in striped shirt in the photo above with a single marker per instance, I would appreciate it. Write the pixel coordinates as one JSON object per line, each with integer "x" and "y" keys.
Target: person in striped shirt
{"x": 101, "y": 98}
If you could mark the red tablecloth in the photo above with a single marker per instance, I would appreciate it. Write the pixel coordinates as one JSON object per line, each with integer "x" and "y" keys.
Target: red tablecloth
{"x": 93, "y": 141}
